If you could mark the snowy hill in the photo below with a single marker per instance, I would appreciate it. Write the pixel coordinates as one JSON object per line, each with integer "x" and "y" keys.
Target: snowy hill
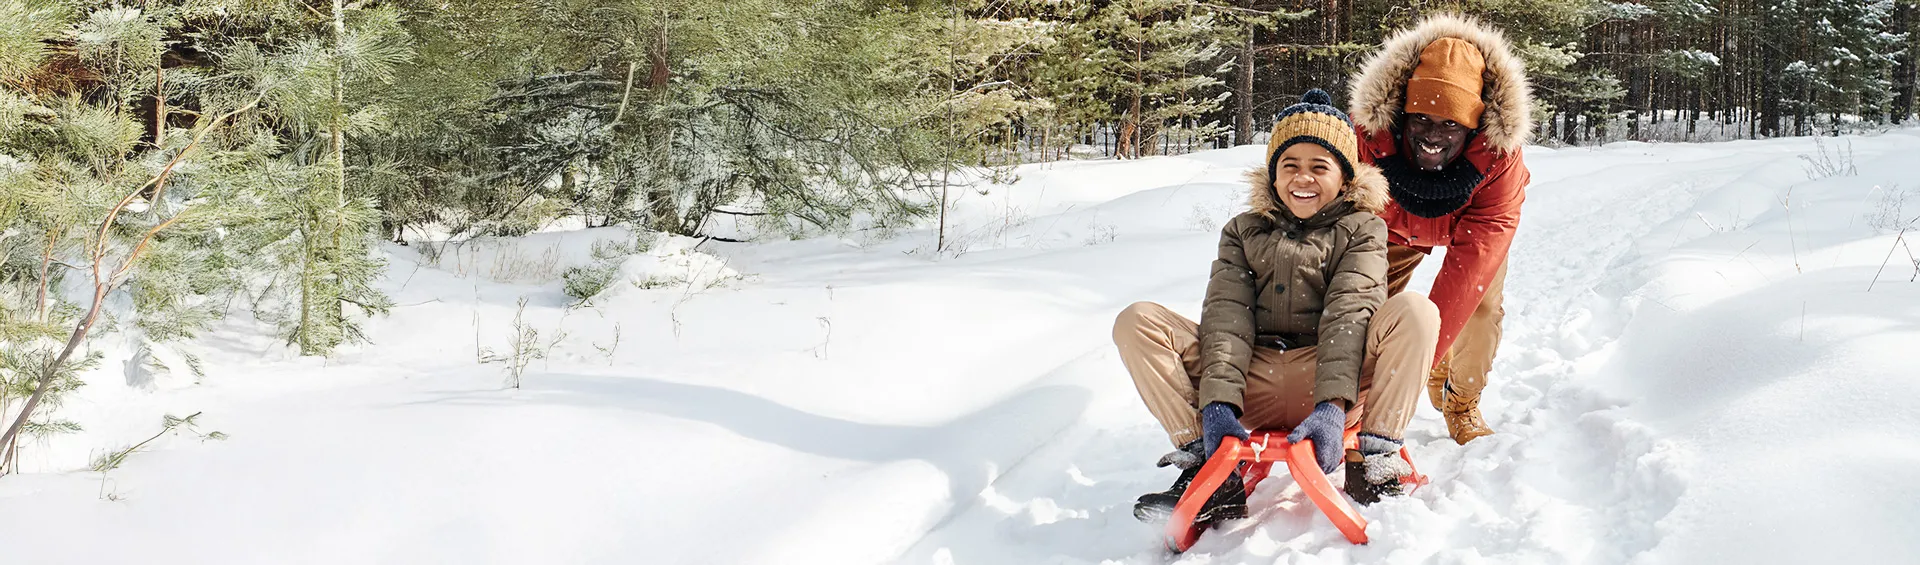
{"x": 1707, "y": 358}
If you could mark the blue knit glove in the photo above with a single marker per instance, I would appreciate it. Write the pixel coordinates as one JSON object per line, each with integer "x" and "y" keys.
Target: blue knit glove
{"x": 1326, "y": 426}
{"x": 1218, "y": 421}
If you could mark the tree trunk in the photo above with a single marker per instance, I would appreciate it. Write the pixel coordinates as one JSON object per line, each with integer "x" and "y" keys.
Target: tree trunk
{"x": 1570, "y": 126}
{"x": 46, "y": 260}
{"x": 160, "y": 103}
{"x": 9, "y": 441}
{"x": 1130, "y": 134}
{"x": 1903, "y": 74}
{"x": 1769, "y": 98}
{"x": 1243, "y": 91}
{"x": 1693, "y": 124}
{"x": 322, "y": 230}
{"x": 661, "y": 73}
{"x": 1638, "y": 90}
{"x": 339, "y": 108}
{"x": 159, "y": 129}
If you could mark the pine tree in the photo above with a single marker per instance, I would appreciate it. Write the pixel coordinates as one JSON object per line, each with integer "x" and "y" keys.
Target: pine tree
{"x": 991, "y": 99}
{"x": 1162, "y": 61}
{"x": 1855, "y": 57}
{"x": 1904, "y": 76}
{"x": 81, "y": 188}
{"x": 317, "y": 220}
{"x": 803, "y": 115}
{"x": 1056, "y": 68}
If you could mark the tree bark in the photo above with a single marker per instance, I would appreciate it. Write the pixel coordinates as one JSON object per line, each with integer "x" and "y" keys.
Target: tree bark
{"x": 1903, "y": 74}
{"x": 1569, "y": 125}
{"x": 51, "y": 369}
{"x": 1130, "y": 134}
{"x": 160, "y": 102}
{"x": 661, "y": 73}
{"x": 1243, "y": 89}
{"x": 46, "y": 260}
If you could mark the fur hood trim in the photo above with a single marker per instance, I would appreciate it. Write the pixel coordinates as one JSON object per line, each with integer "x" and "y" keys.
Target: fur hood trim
{"x": 1367, "y": 190}
{"x": 1379, "y": 92}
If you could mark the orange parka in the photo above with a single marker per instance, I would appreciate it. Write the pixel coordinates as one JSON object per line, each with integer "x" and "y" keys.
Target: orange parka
{"x": 1479, "y": 232}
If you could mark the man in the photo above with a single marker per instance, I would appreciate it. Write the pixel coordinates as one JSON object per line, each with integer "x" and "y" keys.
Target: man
{"x": 1443, "y": 109}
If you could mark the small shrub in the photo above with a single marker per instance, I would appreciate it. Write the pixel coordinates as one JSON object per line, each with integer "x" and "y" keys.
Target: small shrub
{"x": 522, "y": 349}
{"x": 1101, "y": 233}
{"x": 110, "y": 461}
{"x": 659, "y": 281}
{"x": 584, "y": 283}
{"x": 511, "y": 264}
{"x": 1829, "y": 162}
{"x": 643, "y": 241}
{"x": 1889, "y": 213}
{"x": 431, "y": 252}
{"x": 610, "y": 250}
{"x": 608, "y": 350}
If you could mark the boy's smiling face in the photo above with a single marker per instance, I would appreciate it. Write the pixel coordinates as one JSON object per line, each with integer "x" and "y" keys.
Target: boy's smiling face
{"x": 1307, "y": 178}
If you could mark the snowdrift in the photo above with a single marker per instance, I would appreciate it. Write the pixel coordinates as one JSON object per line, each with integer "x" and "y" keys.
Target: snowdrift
{"x": 1707, "y": 359}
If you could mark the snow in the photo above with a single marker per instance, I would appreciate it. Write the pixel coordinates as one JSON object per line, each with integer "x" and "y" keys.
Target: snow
{"x": 1694, "y": 369}
{"x": 1698, "y": 56}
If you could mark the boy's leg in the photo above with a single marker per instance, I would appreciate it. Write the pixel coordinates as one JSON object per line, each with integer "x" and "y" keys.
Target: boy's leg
{"x": 1400, "y": 346}
{"x": 1160, "y": 349}
{"x": 1401, "y": 261}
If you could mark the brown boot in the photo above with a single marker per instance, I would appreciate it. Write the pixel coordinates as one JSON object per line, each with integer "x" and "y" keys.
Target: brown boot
{"x": 1463, "y": 417}
{"x": 1437, "y": 383}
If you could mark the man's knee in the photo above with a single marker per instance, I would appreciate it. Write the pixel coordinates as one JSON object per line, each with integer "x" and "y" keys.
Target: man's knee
{"x": 1491, "y": 307}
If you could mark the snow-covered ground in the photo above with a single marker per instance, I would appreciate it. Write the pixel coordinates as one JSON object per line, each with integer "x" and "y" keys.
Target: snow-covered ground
{"x": 1705, "y": 361}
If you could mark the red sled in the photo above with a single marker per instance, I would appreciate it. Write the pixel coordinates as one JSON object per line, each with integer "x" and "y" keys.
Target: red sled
{"x": 1254, "y": 459}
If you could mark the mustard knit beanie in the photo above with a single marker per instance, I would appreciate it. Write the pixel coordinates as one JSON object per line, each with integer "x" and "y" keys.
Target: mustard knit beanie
{"x": 1314, "y": 120}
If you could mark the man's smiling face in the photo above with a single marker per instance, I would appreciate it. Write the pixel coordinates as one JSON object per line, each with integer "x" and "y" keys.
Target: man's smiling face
{"x": 1430, "y": 142}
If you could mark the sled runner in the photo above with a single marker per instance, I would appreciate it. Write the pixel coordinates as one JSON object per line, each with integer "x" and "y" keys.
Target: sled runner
{"x": 1255, "y": 459}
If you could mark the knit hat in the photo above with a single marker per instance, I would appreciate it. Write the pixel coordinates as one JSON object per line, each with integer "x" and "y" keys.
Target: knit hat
{"x": 1314, "y": 120}
{"x": 1447, "y": 83}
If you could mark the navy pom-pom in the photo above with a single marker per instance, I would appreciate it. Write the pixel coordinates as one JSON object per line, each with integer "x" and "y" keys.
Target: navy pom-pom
{"x": 1317, "y": 96}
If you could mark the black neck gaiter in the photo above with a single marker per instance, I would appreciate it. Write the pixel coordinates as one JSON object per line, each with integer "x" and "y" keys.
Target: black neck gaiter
{"x": 1429, "y": 194}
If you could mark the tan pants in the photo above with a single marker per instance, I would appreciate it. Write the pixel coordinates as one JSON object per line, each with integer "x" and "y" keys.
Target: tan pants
{"x": 1162, "y": 351}
{"x": 1471, "y": 358}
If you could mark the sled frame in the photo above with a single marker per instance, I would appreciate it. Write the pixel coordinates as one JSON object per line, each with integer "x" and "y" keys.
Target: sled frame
{"x": 1254, "y": 459}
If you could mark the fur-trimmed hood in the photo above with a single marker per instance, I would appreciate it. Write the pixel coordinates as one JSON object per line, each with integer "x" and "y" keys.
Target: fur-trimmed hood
{"x": 1367, "y": 190}
{"x": 1379, "y": 93}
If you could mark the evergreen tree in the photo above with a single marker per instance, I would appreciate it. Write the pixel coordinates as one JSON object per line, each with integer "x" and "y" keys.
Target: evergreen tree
{"x": 82, "y": 191}
{"x": 317, "y": 220}
{"x": 811, "y": 112}
{"x": 1854, "y": 58}
{"x": 1162, "y": 60}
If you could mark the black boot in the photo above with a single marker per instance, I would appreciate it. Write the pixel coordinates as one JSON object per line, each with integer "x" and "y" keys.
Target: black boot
{"x": 1227, "y": 503}
{"x": 1376, "y": 470}
{"x": 1154, "y": 507}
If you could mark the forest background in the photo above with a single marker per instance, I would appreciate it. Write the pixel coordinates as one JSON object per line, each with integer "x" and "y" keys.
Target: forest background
{"x": 164, "y": 164}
